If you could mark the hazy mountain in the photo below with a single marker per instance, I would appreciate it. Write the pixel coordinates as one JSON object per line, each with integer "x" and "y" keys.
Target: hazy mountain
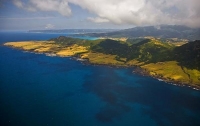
{"x": 163, "y": 31}
{"x": 74, "y": 31}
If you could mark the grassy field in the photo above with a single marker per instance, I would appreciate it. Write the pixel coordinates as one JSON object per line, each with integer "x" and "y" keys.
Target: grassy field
{"x": 194, "y": 75}
{"x": 71, "y": 50}
{"x": 177, "y": 43}
{"x": 38, "y": 46}
{"x": 134, "y": 62}
{"x": 48, "y": 47}
{"x": 100, "y": 58}
{"x": 172, "y": 71}
{"x": 168, "y": 70}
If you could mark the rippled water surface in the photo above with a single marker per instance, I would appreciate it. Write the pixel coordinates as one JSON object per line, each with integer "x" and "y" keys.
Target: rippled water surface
{"x": 39, "y": 90}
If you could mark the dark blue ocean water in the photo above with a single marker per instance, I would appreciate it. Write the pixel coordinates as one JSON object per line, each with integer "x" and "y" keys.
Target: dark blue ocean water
{"x": 37, "y": 90}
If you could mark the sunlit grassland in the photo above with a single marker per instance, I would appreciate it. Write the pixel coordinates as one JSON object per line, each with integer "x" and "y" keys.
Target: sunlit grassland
{"x": 156, "y": 57}
{"x": 134, "y": 62}
{"x": 171, "y": 70}
{"x": 71, "y": 50}
{"x": 48, "y": 47}
{"x": 100, "y": 58}
{"x": 177, "y": 43}
{"x": 194, "y": 75}
{"x": 38, "y": 46}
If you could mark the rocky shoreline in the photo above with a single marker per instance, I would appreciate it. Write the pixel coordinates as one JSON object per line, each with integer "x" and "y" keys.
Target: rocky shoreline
{"x": 137, "y": 70}
{"x": 144, "y": 72}
{"x": 140, "y": 71}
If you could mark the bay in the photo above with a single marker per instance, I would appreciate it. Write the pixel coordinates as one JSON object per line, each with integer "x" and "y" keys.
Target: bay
{"x": 52, "y": 91}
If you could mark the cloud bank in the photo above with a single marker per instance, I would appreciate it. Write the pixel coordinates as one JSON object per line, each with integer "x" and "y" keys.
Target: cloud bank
{"x": 135, "y": 12}
{"x": 60, "y": 6}
{"x": 49, "y": 26}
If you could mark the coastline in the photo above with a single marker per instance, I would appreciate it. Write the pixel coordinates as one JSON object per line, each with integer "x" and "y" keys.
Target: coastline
{"x": 137, "y": 68}
{"x": 143, "y": 72}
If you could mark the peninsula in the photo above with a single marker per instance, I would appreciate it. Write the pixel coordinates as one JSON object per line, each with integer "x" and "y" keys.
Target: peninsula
{"x": 171, "y": 62}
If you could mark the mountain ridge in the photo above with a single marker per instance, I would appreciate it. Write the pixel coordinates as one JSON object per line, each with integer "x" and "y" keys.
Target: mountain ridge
{"x": 162, "y": 31}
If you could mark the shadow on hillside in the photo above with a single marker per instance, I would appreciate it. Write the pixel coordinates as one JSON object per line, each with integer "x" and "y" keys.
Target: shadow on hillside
{"x": 188, "y": 55}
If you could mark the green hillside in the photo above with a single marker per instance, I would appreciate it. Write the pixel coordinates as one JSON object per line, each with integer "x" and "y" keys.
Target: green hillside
{"x": 67, "y": 41}
{"x": 160, "y": 59}
{"x": 188, "y": 55}
{"x": 179, "y": 64}
{"x": 143, "y": 50}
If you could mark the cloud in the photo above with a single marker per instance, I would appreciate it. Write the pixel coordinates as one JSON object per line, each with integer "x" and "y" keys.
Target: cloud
{"x": 60, "y": 6}
{"x": 49, "y": 26}
{"x": 135, "y": 12}
{"x": 26, "y": 18}
{"x": 22, "y": 5}
{"x": 18, "y": 3}
{"x": 98, "y": 20}
{"x": 145, "y": 12}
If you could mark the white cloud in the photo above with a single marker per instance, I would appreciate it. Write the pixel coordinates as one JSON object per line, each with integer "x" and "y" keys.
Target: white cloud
{"x": 49, "y": 26}
{"x": 60, "y": 6}
{"x": 98, "y": 20}
{"x": 26, "y": 18}
{"x": 136, "y": 12}
{"x": 22, "y": 5}
{"x": 145, "y": 12}
{"x": 18, "y": 3}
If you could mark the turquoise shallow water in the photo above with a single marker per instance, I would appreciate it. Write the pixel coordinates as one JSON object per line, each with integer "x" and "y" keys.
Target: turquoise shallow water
{"x": 39, "y": 90}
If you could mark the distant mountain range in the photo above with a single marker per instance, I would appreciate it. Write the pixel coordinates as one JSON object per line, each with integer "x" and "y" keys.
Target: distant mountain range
{"x": 74, "y": 31}
{"x": 163, "y": 31}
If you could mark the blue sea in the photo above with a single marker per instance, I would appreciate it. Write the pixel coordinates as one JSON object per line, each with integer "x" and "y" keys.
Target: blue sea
{"x": 38, "y": 90}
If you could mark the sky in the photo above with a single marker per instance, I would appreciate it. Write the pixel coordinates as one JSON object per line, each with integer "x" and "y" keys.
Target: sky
{"x": 95, "y": 14}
